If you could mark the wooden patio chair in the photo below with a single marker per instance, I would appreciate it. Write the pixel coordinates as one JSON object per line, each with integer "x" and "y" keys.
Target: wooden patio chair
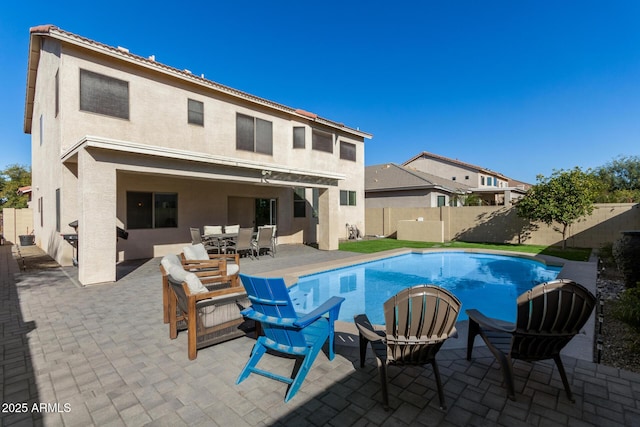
{"x": 211, "y": 316}
{"x": 285, "y": 331}
{"x": 418, "y": 322}
{"x": 227, "y": 271}
{"x": 548, "y": 317}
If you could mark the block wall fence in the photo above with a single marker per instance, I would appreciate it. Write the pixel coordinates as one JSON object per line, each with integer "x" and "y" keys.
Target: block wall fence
{"x": 495, "y": 224}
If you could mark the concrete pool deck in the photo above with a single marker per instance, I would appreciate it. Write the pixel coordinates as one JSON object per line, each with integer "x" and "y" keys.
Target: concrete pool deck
{"x": 104, "y": 351}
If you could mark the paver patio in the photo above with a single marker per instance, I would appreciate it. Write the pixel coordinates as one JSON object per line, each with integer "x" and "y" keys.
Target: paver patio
{"x": 103, "y": 355}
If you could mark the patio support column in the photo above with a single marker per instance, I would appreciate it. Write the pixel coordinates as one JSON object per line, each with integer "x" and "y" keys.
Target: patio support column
{"x": 96, "y": 220}
{"x": 328, "y": 226}
{"x": 507, "y": 197}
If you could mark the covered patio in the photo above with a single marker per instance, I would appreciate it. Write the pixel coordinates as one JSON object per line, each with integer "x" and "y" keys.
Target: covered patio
{"x": 117, "y": 183}
{"x": 105, "y": 352}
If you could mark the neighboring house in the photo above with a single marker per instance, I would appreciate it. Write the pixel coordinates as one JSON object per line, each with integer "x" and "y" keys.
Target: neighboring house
{"x": 25, "y": 191}
{"x": 390, "y": 185}
{"x": 492, "y": 187}
{"x": 119, "y": 140}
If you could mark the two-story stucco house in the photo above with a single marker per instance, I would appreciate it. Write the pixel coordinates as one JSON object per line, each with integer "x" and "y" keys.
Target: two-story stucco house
{"x": 492, "y": 187}
{"x": 120, "y": 140}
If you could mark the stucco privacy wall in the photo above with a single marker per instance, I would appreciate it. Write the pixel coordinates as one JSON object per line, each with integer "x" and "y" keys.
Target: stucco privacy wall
{"x": 16, "y": 222}
{"x": 502, "y": 225}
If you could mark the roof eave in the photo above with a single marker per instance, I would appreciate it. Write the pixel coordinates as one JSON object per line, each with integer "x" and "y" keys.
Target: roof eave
{"x": 122, "y": 55}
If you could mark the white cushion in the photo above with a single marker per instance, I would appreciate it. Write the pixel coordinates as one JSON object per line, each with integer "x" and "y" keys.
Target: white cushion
{"x": 195, "y": 252}
{"x": 177, "y": 273}
{"x": 169, "y": 260}
{"x": 212, "y": 229}
{"x": 232, "y": 269}
{"x": 232, "y": 228}
{"x": 194, "y": 284}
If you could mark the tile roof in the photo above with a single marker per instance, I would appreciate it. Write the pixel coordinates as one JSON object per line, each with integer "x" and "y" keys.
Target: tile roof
{"x": 390, "y": 176}
{"x": 124, "y": 54}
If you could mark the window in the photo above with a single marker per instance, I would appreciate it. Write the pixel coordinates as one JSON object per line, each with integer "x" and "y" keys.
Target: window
{"x": 253, "y": 134}
{"x": 152, "y": 210}
{"x": 299, "y": 203}
{"x": 298, "y": 137}
{"x": 58, "y": 210}
{"x": 482, "y": 180}
{"x": 322, "y": 141}
{"x": 453, "y": 178}
{"x": 442, "y": 200}
{"x": 104, "y": 95}
{"x": 315, "y": 197}
{"x": 41, "y": 211}
{"x": 41, "y": 136}
{"x": 195, "y": 111}
{"x": 347, "y": 198}
{"x": 57, "y": 93}
{"x": 347, "y": 151}
{"x": 489, "y": 181}
{"x": 466, "y": 177}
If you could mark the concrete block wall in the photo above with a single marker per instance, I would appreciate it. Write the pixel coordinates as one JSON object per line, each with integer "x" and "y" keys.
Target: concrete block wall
{"x": 16, "y": 222}
{"x": 495, "y": 224}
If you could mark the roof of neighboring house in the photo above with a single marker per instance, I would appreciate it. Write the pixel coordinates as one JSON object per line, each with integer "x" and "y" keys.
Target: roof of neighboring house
{"x": 123, "y": 54}
{"x": 457, "y": 163}
{"x": 24, "y": 190}
{"x": 390, "y": 176}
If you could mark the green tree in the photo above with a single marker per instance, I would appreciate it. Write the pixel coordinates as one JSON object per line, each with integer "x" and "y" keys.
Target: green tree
{"x": 621, "y": 180}
{"x": 12, "y": 178}
{"x": 563, "y": 198}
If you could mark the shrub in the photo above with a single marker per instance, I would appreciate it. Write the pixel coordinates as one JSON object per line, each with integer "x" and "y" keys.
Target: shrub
{"x": 627, "y": 308}
{"x": 626, "y": 252}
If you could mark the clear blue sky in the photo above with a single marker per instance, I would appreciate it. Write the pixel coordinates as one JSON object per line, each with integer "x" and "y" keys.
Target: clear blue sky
{"x": 521, "y": 87}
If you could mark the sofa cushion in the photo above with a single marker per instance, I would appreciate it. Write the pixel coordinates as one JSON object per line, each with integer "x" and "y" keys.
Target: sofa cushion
{"x": 195, "y": 252}
{"x": 169, "y": 260}
{"x": 194, "y": 284}
{"x": 232, "y": 269}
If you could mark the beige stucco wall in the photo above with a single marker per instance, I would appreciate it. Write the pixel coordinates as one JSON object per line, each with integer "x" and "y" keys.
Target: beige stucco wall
{"x": 500, "y": 224}
{"x": 93, "y": 182}
{"x": 16, "y": 222}
{"x": 421, "y": 231}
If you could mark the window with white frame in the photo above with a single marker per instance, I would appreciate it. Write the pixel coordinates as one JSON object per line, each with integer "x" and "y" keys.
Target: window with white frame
{"x": 347, "y": 198}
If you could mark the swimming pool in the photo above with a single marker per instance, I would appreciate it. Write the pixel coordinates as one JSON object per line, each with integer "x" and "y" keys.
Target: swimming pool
{"x": 489, "y": 283}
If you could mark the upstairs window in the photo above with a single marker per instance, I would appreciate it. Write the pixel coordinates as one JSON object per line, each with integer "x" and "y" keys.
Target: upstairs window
{"x": 104, "y": 95}
{"x": 195, "y": 111}
{"x": 347, "y": 151}
{"x": 322, "y": 141}
{"x": 254, "y": 134}
{"x": 298, "y": 137}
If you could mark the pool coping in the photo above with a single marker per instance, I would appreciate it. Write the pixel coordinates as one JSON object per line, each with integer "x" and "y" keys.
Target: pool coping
{"x": 583, "y": 272}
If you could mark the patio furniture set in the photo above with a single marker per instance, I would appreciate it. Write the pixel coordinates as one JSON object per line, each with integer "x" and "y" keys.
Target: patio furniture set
{"x": 233, "y": 238}
{"x": 207, "y": 295}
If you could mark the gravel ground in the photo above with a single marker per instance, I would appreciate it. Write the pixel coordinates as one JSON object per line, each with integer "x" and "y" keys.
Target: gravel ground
{"x": 620, "y": 342}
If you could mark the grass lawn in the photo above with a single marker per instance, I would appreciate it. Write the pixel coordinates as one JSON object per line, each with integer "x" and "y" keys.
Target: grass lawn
{"x": 377, "y": 245}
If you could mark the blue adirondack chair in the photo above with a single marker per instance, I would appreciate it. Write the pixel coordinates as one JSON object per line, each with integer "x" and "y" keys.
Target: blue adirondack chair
{"x": 286, "y": 331}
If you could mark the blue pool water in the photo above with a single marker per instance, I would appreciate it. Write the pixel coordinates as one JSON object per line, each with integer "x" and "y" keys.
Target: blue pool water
{"x": 489, "y": 283}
